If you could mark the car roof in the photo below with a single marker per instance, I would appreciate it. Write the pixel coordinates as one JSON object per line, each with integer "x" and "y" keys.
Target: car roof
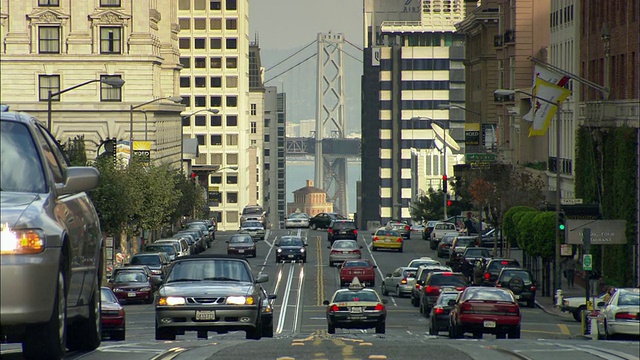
{"x": 211, "y": 257}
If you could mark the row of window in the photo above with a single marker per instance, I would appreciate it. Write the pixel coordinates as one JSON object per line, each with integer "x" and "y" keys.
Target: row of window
{"x": 214, "y": 120}
{"x": 214, "y": 82}
{"x": 418, "y": 64}
{"x": 215, "y": 62}
{"x": 201, "y": 43}
{"x": 415, "y": 104}
{"x": 215, "y": 5}
{"x": 51, "y": 84}
{"x": 214, "y": 101}
{"x": 103, "y": 3}
{"x": 419, "y": 85}
{"x": 201, "y": 24}
{"x": 49, "y": 39}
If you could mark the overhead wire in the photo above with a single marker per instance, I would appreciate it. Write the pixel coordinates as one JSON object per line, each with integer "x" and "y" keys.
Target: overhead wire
{"x": 290, "y": 56}
{"x": 292, "y": 67}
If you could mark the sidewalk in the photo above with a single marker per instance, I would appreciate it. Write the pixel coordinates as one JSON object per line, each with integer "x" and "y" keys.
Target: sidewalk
{"x": 547, "y": 304}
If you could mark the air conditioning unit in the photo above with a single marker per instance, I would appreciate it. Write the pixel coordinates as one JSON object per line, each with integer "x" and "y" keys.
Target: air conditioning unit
{"x": 497, "y": 41}
{"x": 509, "y": 36}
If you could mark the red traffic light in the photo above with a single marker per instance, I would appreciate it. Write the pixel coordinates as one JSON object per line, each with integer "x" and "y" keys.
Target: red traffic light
{"x": 444, "y": 177}
{"x": 449, "y": 203}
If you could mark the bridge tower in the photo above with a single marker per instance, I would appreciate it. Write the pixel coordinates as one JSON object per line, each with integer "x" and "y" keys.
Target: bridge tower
{"x": 331, "y": 171}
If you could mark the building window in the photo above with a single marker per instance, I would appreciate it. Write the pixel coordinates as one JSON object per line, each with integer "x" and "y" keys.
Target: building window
{"x": 232, "y": 159}
{"x": 216, "y": 179}
{"x": 186, "y": 121}
{"x": 231, "y": 5}
{"x": 201, "y": 141}
{"x": 216, "y": 159}
{"x": 232, "y": 179}
{"x": 215, "y": 24}
{"x": 232, "y": 82}
{"x": 215, "y": 5}
{"x": 232, "y": 43}
{"x": 216, "y": 43}
{"x": 267, "y": 138}
{"x": 216, "y": 63}
{"x": 200, "y": 120}
{"x": 232, "y": 139}
{"x": 109, "y": 92}
{"x": 216, "y": 140}
{"x": 200, "y": 24}
{"x": 232, "y": 63}
{"x": 184, "y": 43}
{"x": 267, "y": 152}
{"x": 199, "y": 4}
{"x": 200, "y": 101}
{"x": 232, "y": 120}
{"x": 254, "y": 109}
{"x": 254, "y": 127}
{"x": 199, "y": 43}
{"x": 200, "y": 63}
{"x": 49, "y": 82}
{"x": 216, "y": 120}
{"x": 184, "y": 5}
{"x": 216, "y": 101}
{"x": 48, "y": 2}
{"x": 216, "y": 82}
{"x": 254, "y": 142}
{"x": 232, "y": 24}
{"x": 232, "y": 101}
{"x": 186, "y": 100}
{"x": 110, "y": 40}
{"x": 185, "y": 62}
{"x": 49, "y": 39}
{"x": 185, "y": 82}
{"x": 109, "y": 3}
{"x": 185, "y": 23}
{"x": 200, "y": 82}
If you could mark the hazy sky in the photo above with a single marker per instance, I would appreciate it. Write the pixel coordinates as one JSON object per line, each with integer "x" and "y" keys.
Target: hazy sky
{"x": 286, "y": 26}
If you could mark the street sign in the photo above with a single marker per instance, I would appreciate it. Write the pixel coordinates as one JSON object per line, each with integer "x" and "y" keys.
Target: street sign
{"x": 603, "y": 232}
{"x": 587, "y": 262}
{"x": 480, "y": 157}
{"x": 570, "y": 201}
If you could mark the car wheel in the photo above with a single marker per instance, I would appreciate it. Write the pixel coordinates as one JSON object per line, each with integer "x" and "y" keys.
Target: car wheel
{"x": 331, "y": 329}
{"x": 414, "y": 301}
{"x": 383, "y": 289}
{"x": 432, "y": 328}
{"x": 515, "y": 333}
{"x": 118, "y": 335}
{"x": 398, "y": 293}
{"x": 381, "y": 328}
{"x": 501, "y": 335}
{"x": 454, "y": 332}
{"x": 255, "y": 333}
{"x": 164, "y": 333}
{"x": 267, "y": 329}
{"x": 400, "y": 250}
{"x": 477, "y": 335}
{"x": 85, "y": 334}
{"x": 149, "y": 300}
{"x": 277, "y": 259}
{"x": 531, "y": 303}
{"x": 577, "y": 315}
{"x": 516, "y": 284}
{"x": 47, "y": 340}
{"x": 373, "y": 248}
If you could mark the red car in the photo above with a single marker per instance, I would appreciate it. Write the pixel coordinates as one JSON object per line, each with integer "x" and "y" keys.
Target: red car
{"x": 112, "y": 315}
{"x": 362, "y": 269}
{"x": 132, "y": 286}
{"x": 485, "y": 310}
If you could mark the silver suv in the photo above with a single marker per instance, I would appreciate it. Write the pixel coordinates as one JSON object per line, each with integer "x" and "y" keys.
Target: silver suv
{"x": 254, "y": 213}
{"x": 50, "y": 259}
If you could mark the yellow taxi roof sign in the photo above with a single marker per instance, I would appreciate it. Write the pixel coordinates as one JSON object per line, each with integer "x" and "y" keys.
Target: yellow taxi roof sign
{"x": 356, "y": 284}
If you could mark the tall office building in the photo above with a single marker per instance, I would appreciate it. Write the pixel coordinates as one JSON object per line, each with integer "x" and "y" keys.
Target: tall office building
{"x": 275, "y": 172}
{"x": 413, "y": 70}
{"x": 214, "y": 52}
{"x": 256, "y": 124}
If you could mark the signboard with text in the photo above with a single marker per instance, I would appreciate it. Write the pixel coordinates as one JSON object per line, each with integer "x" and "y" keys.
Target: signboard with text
{"x": 603, "y": 232}
{"x": 472, "y": 134}
{"x": 142, "y": 149}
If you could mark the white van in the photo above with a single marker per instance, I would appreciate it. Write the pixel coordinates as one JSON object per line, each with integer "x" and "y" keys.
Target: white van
{"x": 439, "y": 229}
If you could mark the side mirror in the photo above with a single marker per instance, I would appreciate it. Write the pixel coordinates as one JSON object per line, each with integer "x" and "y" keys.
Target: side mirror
{"x": 360, "y": 246}
{"x": 326, "y": 302}
{"x": 272, "y": 297}
{"x": 384, "y": 301}
{"x": 328, "y": 247}
{"x": 305, "y": 244}
{"x": 375, "y": 266}
{"x": 600, "y": 304}
{"x": 227, "y": 241}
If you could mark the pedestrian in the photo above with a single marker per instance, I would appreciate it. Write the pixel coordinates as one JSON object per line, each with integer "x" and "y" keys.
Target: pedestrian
{"x": 468, "y": 224}
{"x": 610, "y": 291}
{"x": 478, "y": 272}
{"x": 570, "y": 268}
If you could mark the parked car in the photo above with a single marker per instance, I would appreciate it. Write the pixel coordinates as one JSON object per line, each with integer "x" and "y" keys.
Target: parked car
{"x": 297, "y": 220}
{"x": 421, "y": 277}
{"x": 143, "y": 268}
{"x": 253, "y": 228}
{"x": 133, "y": 286}
{"x": 190, "y": 238}
{"x": 398, "y": 281}
{"x": 439, "y": 229}
{"x": 620, "y": 315}
{"x": 291, "y": 248}
{"x": 242, "y": 245}
{"x": 401, "y": 226}
{"x": 521, "y": 283}
{"x": 181, "y": 243}
{"x": 50, "y": 260}
{"x": 493, "y": 267}
{"x": 488, "y": 239}
{"x": 205, "y": 293}
{"x": 439, "y": 316}
{"x": 461, "y": 243}
{"x": 435, "y": 283}
{"x": 170, "y": 249}
{"x": 484, "y": 310}
{"x": 208, "y": 235}
{"x": 444, "y": 246}
{"x": 112, "y": 315}
{"x": 211, "y": 225}
{"x": 198, "y": 240}
{"x": 342, "y": 229}
{"x": 428, "y": 228}
{"x": 267, "y": 313}
{"x": 342, "y": 250}
{"x": 254, "y": 213}
{"x": 157, "y": 262}
{"x": 385, "y": 238}
{"x": 356, "y": 307}
{"x": 475, "y": 254}
{"x": 424, "y": 260}
{"x": 577, "y": 304}
{"x": 322, "y": 220}
{"x": 363, "y": 269}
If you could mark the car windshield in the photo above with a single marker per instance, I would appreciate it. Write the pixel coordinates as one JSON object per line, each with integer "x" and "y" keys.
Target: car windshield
{"x": 444, "y": 298}
{"x": 297, "y": 216}
{"x": 106, "y": 295}
{"x": 240, "y": 240}
{"x": 251, "y": 224}
{"x": 291, "y": 241}
{"x": 628, "y": 298}
{"x": 160, "y": 248}
{"x": 345, "y": 296}
{"x": 146, "y": 260}
{"x": 356, "y": 264}
{"x": 130, "y": 277}
{"x": 429, "y": 270}
{"x": 476, "y": 252}
{"x": 341, "y": 225}
{"x": 418, "y": 263}
{"x": 496, "y": 266}
{"x": 20, "y": 168}
{"x": 507, "y": 275}
{"x": 463, "y": 242}
{"x": 452, "y": 280}
{"x": 387, "y": 233}
{"x": 252, "y": 211}
{"x": 345, "y": 245}
{"x": 209, "y": 269}
{"x": 483, "y": 293}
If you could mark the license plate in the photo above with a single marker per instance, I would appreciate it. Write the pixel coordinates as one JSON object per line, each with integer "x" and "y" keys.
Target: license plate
{"x": 291, "y": 256}
{"x": 357, "y": 272}
{"x": 387, "y": 240}
{"x": 345, "y": 252}
{"x": 241, "y": 251}
{"x": 205, "y": 315}
{"x": 356, "y": 310}
{"x": 131, "y": 294}
{"x": 489, "y": 324}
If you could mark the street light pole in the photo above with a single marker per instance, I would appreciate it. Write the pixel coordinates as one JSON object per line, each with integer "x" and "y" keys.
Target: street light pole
{"x": 113, "y": 81}
{"x": 175, "y": 99}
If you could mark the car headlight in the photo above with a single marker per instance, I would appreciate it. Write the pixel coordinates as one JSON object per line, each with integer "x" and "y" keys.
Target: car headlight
{"x": 240, "y": 300}
{"x": 279, "y": 250}
{"x": 171, "y": 300}
{"x": 115, "y": 290}
{"x": 302, "y": 250}
{"x": 144, "y": 289}
{"x": 21, "y": 241}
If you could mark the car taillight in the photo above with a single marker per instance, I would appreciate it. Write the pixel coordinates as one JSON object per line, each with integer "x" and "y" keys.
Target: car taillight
{"x": 333, "y": 308}
{"x": 330, "y": 231}
{"x": 433, "y": 290}
{"x": 439, "y": 311}
{"x": 487, "y": 276}
{"x": 460, "y": 288}
{"x": 498, "y": 285}
{"x": 356, "y": 251}
{"x": 407, "y": 227}
{"x": 403, "y": 281}
{"x": 375, "y": 238}
{"x": 513, "y": 310}
{"x": 379, "y": 307}
{"x": 533, "y": 288}
{"x": 336, "y": 252}
{"x": 355, "y": 232}
{"x": 399, "y": 239}
{"x": 466, "y": 307}
{"x": 418, "y": 286}
{"x": 626, "y": 316}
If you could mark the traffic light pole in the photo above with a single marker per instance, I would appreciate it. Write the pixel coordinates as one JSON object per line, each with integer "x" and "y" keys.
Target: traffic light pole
{"x": 557, "y": 281}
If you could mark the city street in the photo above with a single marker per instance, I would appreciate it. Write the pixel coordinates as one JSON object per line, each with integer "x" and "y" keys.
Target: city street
{"x": 300, "y": 328}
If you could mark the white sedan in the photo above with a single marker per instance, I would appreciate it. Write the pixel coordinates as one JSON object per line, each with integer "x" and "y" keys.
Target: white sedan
{"x": 297, "y": 220}
{"x": 620, "y": 315}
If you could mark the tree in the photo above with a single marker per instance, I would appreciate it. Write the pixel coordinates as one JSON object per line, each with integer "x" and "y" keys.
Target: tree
{"x": 544, "y": 244}
{"x": 159, "y": 196}
{"x": 428, "y": 207}
{"x": 510, "y": 222}
{"x": 526, "y": 230}
{"x": 75, "y": 151}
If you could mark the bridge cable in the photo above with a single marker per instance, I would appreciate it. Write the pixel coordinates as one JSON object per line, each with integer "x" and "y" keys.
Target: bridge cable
{"x": 291, "y": 68}
{"x": 271, "y": 68}
{"x": 350, "y": 43}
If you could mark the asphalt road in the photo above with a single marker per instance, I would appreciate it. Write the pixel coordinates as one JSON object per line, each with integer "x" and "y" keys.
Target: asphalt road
{"x": 301, "y": 330}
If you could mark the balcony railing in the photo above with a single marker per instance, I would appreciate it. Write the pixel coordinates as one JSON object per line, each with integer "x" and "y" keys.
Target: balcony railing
{"x": 611, "y": 113}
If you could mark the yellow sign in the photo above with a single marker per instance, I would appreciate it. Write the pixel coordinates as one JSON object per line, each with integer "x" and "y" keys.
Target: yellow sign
{"x": 472, "y": 133}
{"x": 142, "y": 145}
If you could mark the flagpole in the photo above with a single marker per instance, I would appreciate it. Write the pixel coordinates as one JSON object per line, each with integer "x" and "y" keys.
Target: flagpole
{"x": 556, "y": 266}
{"x": 604, "y": 90}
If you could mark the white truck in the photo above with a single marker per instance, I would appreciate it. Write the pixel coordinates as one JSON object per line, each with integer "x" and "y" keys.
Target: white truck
{"x": 439, "y": 229}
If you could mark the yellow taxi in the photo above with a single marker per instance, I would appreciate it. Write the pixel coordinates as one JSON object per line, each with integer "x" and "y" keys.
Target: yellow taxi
{"x": 387, "y": 238}
{"x": 356, "y": 307}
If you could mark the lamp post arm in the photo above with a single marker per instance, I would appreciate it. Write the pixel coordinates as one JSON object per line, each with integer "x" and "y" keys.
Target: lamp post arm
{"x": 51, "y": 95}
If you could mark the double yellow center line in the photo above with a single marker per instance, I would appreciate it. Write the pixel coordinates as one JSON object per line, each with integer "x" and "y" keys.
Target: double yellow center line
{"x": 319, "y": 272}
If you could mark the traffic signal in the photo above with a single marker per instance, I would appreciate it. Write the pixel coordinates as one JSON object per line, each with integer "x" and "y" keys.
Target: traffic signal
{"x": 444, "y": 183}
{"x": 194, "y": 176}
{"x": 561, "y": 221}
{"x": 449, "y": 203}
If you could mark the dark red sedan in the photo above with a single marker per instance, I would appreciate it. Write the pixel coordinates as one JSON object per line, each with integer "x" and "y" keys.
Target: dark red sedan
{"x": 362, "y": 269}
{"x": 485, "y": 310}
{"x": 132, "y": 286}
{"x": 112, "y": 315}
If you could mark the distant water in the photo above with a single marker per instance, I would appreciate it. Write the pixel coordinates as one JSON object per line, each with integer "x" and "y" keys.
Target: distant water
{"x": 298, "y": 172}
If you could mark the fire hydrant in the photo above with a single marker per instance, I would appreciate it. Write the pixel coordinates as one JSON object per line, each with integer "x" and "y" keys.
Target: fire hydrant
{"x": 559, "y": 297}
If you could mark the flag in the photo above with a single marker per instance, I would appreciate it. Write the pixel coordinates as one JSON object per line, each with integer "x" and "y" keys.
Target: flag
{"x": 548, "y": 97}
{"x": 549, "y": 76}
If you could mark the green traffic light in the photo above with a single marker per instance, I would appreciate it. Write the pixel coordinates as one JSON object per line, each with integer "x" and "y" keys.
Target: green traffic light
{"x": 561, "y": 226}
